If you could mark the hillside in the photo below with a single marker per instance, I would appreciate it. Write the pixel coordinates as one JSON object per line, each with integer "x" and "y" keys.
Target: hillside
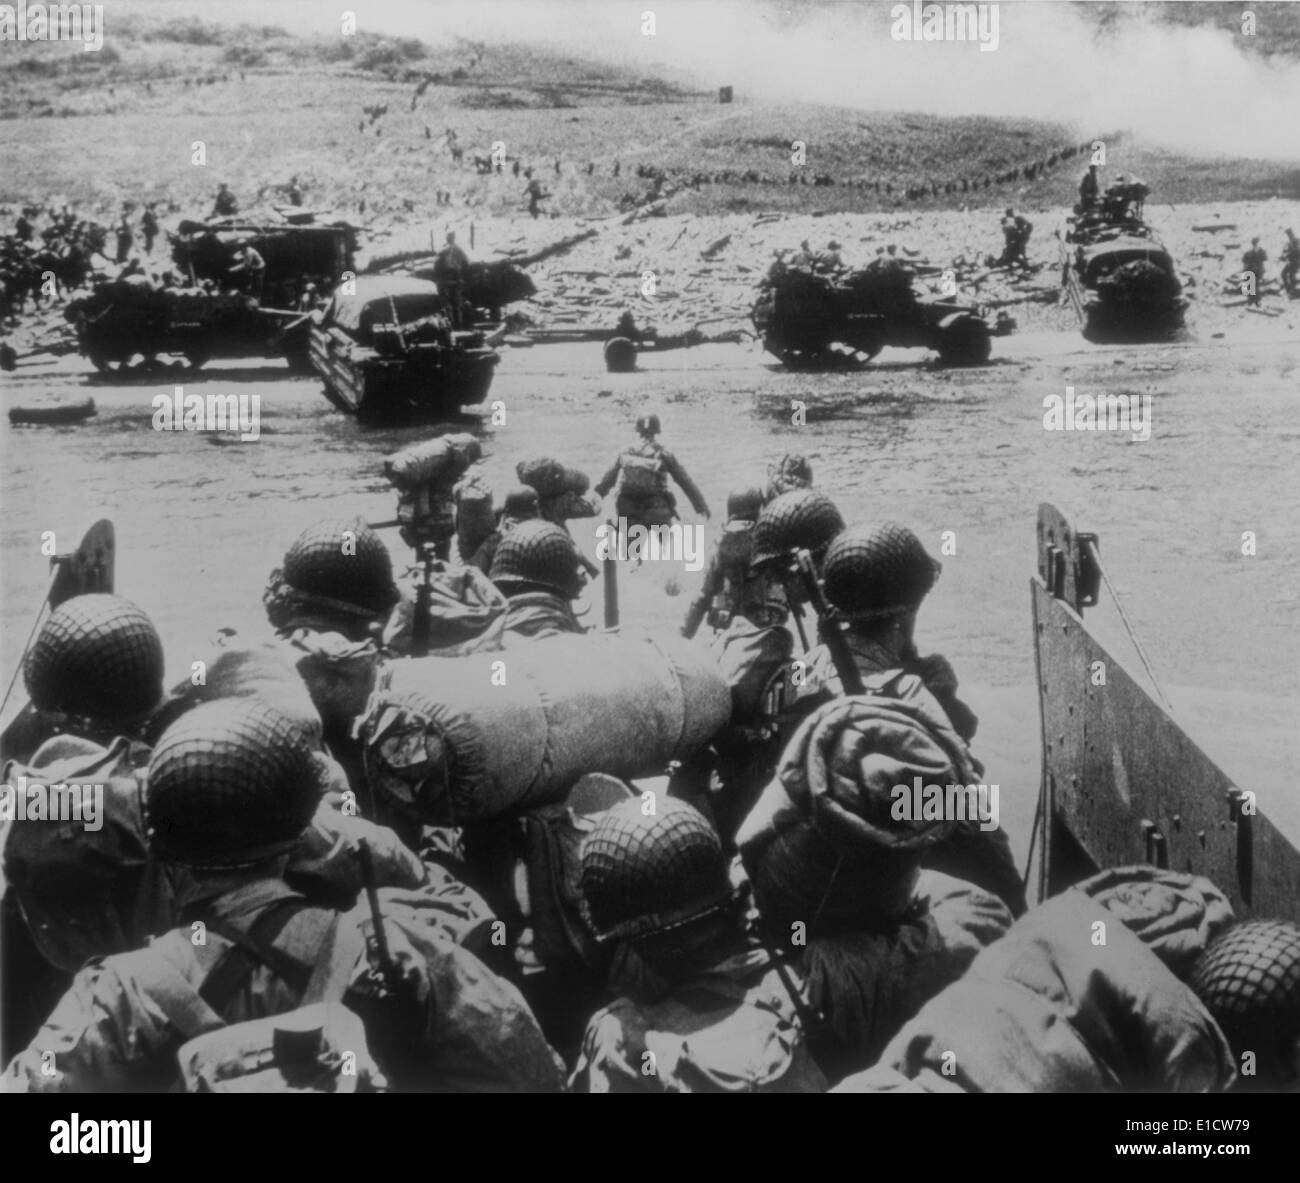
{"x": 361, "y": 122}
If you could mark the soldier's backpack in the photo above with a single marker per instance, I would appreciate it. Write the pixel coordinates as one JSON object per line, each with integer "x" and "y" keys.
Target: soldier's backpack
{"x": 643, "y": 476}
{"x": 465, "y": 607}
{"x": 318, "y": 1047}
{"x": 475, "y": 517}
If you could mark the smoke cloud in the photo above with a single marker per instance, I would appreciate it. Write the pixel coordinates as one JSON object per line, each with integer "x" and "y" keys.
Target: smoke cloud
{"x": 1196, "y": 90}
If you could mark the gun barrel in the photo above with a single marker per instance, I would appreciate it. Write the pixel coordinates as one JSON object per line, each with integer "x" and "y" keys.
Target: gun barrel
{"x": 386, "y": 964}
{"x": 832, "y": 634}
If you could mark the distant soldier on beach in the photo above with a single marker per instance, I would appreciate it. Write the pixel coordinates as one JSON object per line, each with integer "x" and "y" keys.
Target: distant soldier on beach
{"x": 1291, "y": 263}
{"x": 149, "y": 228}
{"x": 125, "y": 238}
{"x": 225, "y": 205}
{"x": 250, "y": 270}
{"x": 1252, "y": 263}
{"x": 1016, "y": 229}
{"x": 1089, "y": 188}
{"x": 536, "y": 195}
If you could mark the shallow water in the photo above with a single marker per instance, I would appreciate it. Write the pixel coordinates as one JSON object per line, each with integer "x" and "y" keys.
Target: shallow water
{"x": 202, "y": 519}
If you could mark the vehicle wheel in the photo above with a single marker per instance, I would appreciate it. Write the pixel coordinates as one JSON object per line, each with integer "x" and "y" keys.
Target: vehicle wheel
{"x": 806, "y": 356}
{"x": 966, "y": 343}
{"x": 869, "y": 347}
{"x": 120, "y": 365}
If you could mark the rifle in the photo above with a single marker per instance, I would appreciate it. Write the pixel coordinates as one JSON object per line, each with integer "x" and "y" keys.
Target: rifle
{"x": 610, "y": 584}
{"x": 423, "y": 599}
{"x": 387, "y": 966}
{"x": 805, "y": 574}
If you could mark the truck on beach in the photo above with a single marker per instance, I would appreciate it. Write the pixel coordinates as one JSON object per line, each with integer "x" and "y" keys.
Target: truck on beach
{"x": 206, "y": 305}
{"x": 1120, "y": 280}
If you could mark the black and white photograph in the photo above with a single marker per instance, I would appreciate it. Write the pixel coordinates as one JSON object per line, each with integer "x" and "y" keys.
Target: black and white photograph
{"x": 703, "y": 546}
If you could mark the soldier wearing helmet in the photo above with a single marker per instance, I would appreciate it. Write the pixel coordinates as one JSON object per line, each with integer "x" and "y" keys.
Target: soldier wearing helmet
{"x": 1015, "y": 232}
{"x": 95, "y": 671}
{"x": 1252, "y": 264}
{"x": 78, "y": 883}
{"x": 729, "y": 589}
{"x": 702, "y": 1008}
{"x": 875, "y": 579}
{"x": 754, "y": 653}
{"x": 231, "y": 788}
{"x": 750, "y": 652}
{"x": 337, "y": 576}
{"x": 539, "y": 569}
{"x": 641, "y": 474}
{"x": 226, "y": 204}
{"x": 1089, "y": 189}
{"x": 425, "y": 476}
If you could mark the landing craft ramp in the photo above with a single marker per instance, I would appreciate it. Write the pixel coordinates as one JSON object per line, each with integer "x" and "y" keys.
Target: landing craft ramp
{"x": 1122, "y": 782}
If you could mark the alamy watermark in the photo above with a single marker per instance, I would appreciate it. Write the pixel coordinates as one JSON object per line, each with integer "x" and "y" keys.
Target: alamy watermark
{"x": 53, "y": 22}
{"x": 31, "y": 801}
{"x": 211, "y": 412}
{"x": 919, "y": 802}
{"x": 946, "y": 22}
{"x": 1104, "y": 412}
{"x": 675, "y": 543}
{"x": 78, "y": 1135}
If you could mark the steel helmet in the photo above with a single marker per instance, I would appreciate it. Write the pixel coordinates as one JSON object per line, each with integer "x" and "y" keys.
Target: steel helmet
{"x": 799, "y": 519}
{"x": 1249, "y": 980}
{"x": 648, "y": 425}
{"x": 231, "y": 783}
{"x": 745, "y": 504}
{"x": 97, "y": 656}
{"x": 874, "y": 572}
{"x": 644, "y": 874}
{"x": 538, "y": 552}
{"x": 342, "y": 559}
{"x": 521, "y": 502}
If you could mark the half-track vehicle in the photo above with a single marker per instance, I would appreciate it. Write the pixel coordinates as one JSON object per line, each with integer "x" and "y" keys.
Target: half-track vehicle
{"x": 802, "y": 314}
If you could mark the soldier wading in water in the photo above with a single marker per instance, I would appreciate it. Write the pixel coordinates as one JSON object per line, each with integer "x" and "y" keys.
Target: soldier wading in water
{"x": 641, "y": 474}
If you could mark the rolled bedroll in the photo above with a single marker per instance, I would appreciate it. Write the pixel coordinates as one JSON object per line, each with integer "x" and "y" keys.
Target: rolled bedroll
{"x": 455, "y": 740}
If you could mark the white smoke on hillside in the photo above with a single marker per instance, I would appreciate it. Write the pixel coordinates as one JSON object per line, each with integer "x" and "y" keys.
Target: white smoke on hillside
{"x": 1191, "y": 89}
